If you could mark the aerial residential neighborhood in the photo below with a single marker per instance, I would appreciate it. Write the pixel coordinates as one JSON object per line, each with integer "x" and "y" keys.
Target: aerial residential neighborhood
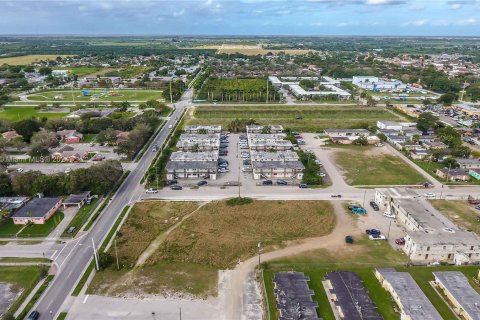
{"x": 240, "y": 160}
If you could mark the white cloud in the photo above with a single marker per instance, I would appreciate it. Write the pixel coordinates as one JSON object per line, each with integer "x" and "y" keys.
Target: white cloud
{"x": 179, "y": 13}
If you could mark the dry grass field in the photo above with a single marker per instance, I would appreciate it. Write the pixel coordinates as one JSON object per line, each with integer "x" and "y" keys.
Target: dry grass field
{"x": 28, "y": 59}
{"x": 221, "y": 235}
{"x": 216, "y": 236}
{"x": 251, "y": 50}
{"x": 145, "y": 222}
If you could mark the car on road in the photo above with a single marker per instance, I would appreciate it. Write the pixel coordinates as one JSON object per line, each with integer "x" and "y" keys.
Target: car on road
{"x": 429, "y": 195}
{"x": 201, "y": 183}
{"x": 373, "y": 231}
{"x": 152, "y": 190}
{"x": 34, "y": 315}
{"x": 390, "y": 215}
{"x": 336, "y": 196}
{"x": 170, "y": 126}
{"x": 376, "y": 237}
{"x": 176, "y": 187}
{"x": 349, "y": 239}
{"x": 267, "y": 182}
{"x": 282, "y": 182}
{"x": 400, "y": 241}
{"x": 374, "y": 205}
{"x": 303, "y": 186}
{"x": 171, "y": 182}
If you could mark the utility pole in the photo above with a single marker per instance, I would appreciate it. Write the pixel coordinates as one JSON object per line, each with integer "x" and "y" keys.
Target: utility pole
{"x": 180, "y": 313}
{"x": 388, "y": 233}
{"x": 171, "y": 97}
{"x": 116, "y": 253}
{"x": 259, "y": 250}
{"x": 95, "y": 255}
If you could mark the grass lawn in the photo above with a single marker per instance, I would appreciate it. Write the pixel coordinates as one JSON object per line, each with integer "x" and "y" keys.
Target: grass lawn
{"x": 314, "y": 118}
{"x": 214, "y": 237}
{"x": 9, "y": 229}
{"x": 82, "y": 71}
{"x": 23, "y": 278}
{"x": 21, "y": 113}
{"x": 460, "y": 212}
{"x": 42, "y": 230}
{"x": 362, "y": 257}
{"x": 366, "y": 165}
{"x": 103, "y": 95}
{"x": 80, "y": 218}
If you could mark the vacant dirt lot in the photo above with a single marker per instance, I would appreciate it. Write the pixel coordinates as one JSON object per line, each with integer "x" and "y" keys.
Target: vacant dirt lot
{"x": 461, "y": 213}
{"x": 22, "y": 60}
{"x": 222, "y": 235}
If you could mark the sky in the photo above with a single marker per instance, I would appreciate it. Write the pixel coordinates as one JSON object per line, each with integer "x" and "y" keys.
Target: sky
{"x": 242, "y": 17}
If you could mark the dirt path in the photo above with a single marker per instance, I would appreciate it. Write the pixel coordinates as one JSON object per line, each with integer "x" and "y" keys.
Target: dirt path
{"x": 234, "y": 291}
{"x": 155, "y": 244}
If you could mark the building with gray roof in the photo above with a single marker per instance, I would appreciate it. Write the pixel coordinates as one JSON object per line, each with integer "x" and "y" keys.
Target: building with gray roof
{"x": 191, "y": 170}
{"x": 277, "y": 169}
{"x": 294, "y": 297}
{"x": 464, "y": 300}
{"x": 37, "y": 211}
{"x": 411, "y": 300}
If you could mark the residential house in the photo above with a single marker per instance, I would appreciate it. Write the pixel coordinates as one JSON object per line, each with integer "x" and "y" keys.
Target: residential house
{"x": 453, "y": 174}
{"x": 389, "y": 125}
{"x": 77, "y": 199}
{"x": 254, "y": 128}
{"x": 434, "y": 145}
{"x": 70, "y": 136}
{"x": 419, "y": 154}
{"x": 11, "y": 135}
{"x": 469, "y": 163}
{"x": 206, "y": 129}
{"x": 37, "y": 211}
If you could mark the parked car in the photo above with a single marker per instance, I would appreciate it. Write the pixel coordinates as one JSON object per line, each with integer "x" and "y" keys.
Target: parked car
{"x": 389, "y": 215}
{"x": 477, "y": 207}
{"x": 246, "y": 162}
{"x": 321, "y": 174}
{"x": 400, "y": 241}
{"x": 171, "y": 182}
{"x": 374, "y": 206}
{"x": 303, "y": 186}
{"x": 282, "y": 182}
{"x": 359, "y": 210}
{"x": 34, "y": 315}
{"x": 223, "y": 170}
{"x": 202, "y": 183}
{"x": 152, "y": 190}
{"x": 176, "y": 187}
{"x": 429, "y": 195}
{"x": 20, "y": 170}
{"x": 68, "y": 170}
{"x": 349, "y": 239}
{"x": 223, "y": 165}
{"x": 267, "y": 182}
{"x": 372, "y": 231}
{"x": 246, "y": 169}
{"x": 376, "y": 237}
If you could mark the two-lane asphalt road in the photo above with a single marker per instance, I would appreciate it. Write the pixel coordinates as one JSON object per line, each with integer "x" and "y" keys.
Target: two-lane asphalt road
{"x": 76, "y": 256}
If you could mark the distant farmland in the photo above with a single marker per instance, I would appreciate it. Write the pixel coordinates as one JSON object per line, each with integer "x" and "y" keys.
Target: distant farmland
{"x": 251, "y": 50}
{"x": 302, "y": 118}
{"x": 28, "y": 59}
